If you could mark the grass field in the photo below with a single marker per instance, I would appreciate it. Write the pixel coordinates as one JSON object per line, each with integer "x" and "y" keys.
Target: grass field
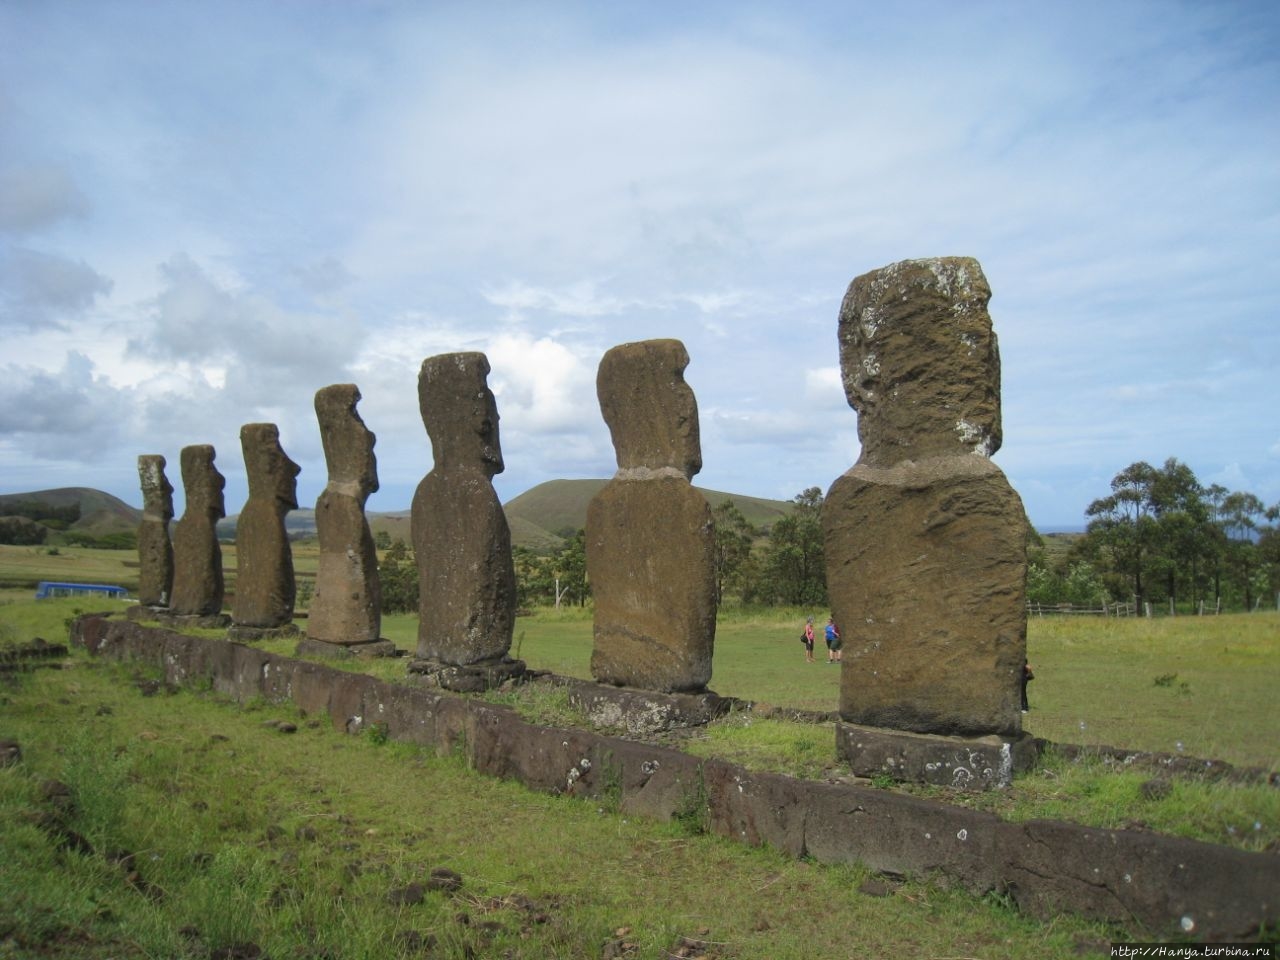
{"x": 295, "y": 843}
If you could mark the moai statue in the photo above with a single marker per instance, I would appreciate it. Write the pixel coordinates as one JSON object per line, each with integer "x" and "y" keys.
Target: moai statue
{"x": 925, "y": 540}
{"x": 650, "y": 537}
{"x": 346, "y": 608}
{"x": 467, "y": 584}
{"x": 264, "y": 594}
{"x": 197, "y": 558}
{"x": 155, "y": 551}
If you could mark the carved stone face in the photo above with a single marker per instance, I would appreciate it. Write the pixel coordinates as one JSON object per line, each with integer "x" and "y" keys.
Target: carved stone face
{"x": 270, "y": 471}
{"x": 348, "y": 443}
{"x": 651, "y": 411}
{"x": 202, "y": 483}
{"x": 460, "y": 412}
{"x": 157, "y": 492}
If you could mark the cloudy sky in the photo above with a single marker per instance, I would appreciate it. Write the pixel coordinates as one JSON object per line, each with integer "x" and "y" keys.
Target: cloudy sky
{"x": 209, "y": 211}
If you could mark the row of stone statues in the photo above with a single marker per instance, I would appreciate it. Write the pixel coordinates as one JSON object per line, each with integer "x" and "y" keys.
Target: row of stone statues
{"x": 925, "y": 539}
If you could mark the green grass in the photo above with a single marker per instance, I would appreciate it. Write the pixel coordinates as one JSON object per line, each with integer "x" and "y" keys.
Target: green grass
{"x": 1206, "y": 684}
{"x": 206, "y": 829}
{"x": 1097, "y": 683}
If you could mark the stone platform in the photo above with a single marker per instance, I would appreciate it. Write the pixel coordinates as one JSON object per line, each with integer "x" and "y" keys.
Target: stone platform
{"x": 966, "y": 763}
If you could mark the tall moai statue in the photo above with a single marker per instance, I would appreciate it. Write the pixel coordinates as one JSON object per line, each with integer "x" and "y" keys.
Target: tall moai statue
{"x": 155, "y": 550}
{"x": 462, "y": 544}
{"x": 925, "y": 540}
{"x": 197, "y": 558}
{"x": 650, "y": 536}
{"x": 346, "y": 608}
{"x": 265, "y": 588}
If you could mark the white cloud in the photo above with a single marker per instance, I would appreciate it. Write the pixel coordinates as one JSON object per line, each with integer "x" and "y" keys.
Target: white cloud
{"x": 38, "y": 289}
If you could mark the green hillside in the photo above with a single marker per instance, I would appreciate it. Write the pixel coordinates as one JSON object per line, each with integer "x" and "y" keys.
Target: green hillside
{"x": 536, "y": 516}
{"x": 100, "y": 513}
{"x": 562, "y": 504}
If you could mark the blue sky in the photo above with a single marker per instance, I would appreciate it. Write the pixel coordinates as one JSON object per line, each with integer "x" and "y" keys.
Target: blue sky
{"x": 209, "y": 211}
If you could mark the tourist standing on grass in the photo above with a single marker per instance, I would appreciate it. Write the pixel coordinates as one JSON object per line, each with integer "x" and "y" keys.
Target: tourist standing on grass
{"x": 833, "y": 641}
{"x": 807, "y": 639}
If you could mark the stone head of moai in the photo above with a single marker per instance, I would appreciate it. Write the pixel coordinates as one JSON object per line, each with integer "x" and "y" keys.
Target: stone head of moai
{"x": 202, "y": 484}
{"x": 272, "y": 475}
{"x": 348, "y": 443}
{"x": 157, "y": 491}
{"x": 651, "y": 412}
{"x": 460, "y": 413}
{"x": 920, "y": 361}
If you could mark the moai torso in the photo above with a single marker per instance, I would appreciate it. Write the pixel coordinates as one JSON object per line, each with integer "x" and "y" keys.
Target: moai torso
{"x": 925, "y": 540}
{"x": 197, "y": 558}
{"x": 155, "y": 550}
{"x": 467, "y": 592}
{"x": 265, "y": 586}
{"x": 650, "y": 539}
{"x": 347, "y": 604}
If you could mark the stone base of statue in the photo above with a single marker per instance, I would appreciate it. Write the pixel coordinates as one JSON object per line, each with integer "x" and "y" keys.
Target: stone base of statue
{"x": 193, "y": 621}
{"x": 145, "y": 611}
{"x": 642, "y": 713}
{"x": 308, "y": 647}
{"x": 965, "y": 763}
{"x": 468, "y": 678}
{"x": 242, "y": 633}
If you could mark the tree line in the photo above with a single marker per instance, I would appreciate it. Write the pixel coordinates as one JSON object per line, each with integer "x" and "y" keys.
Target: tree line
{"x": 1162, "y": 537}
{"x": 778, "y": 564}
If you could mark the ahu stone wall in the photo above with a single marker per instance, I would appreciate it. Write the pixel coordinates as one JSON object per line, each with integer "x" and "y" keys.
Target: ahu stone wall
{"x": 1170, "y": 887}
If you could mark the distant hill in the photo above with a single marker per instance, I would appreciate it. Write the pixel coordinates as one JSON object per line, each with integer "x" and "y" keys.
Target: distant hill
{"x": 536, "y": 517}
{"x": 100, "y": 513}
{"x": 558, "y": 505}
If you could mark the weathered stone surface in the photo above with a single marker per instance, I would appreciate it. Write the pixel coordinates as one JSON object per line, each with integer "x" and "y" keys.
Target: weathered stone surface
{"x": 347, "y": 604}
{"x": 467, "y": 592}
{"x": 900, "y": 834}
{"x": 155, "y": 550}
{"x": 197, "y": 558}
{"x": 650, "y": 539}
{"x": 264, "y": 563}
{"x": 466, "y": 678}
{"x": 926, "y": 572}
{"x": 642, "y": 713}
{"x": 964, "y": 763}
{"x": 651, "y": 412}
{"x": 924, "y": 537}
{"x": 1172, "y": 887}
{"x": 920, "y": 361}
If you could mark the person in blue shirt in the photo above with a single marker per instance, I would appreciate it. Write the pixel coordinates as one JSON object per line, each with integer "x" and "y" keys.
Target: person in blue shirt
{"x": 833, "y": 641}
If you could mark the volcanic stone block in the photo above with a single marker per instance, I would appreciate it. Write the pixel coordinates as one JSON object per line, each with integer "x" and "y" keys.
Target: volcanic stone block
{"x": 650, "y": 538}
{"x": 155, "y": 551}
{"x": 461, "y": 541}
{"x": 197, "y": 558}
{"x": 925, "y": 540}
{"x": 347, "y": 605}
{"x": 264, "y": 563}
{"x": 920, "y": 361}
{"x": 962, "y": 763}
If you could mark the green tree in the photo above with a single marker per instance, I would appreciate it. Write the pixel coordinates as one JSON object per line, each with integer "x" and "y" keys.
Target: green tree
{"x": 794, "y": 570}
{"x": 569, "y": 569}
{"x": 1124, "y": 525}
{"x": 382, "y": 540}
{"x": 398, "y": 577}
{"x": 1240, "y": 515}
{"x": 734, "y": 538}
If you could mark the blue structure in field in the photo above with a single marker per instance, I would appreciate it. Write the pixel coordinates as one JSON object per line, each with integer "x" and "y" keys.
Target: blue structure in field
{"x": 49, "y": 588}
